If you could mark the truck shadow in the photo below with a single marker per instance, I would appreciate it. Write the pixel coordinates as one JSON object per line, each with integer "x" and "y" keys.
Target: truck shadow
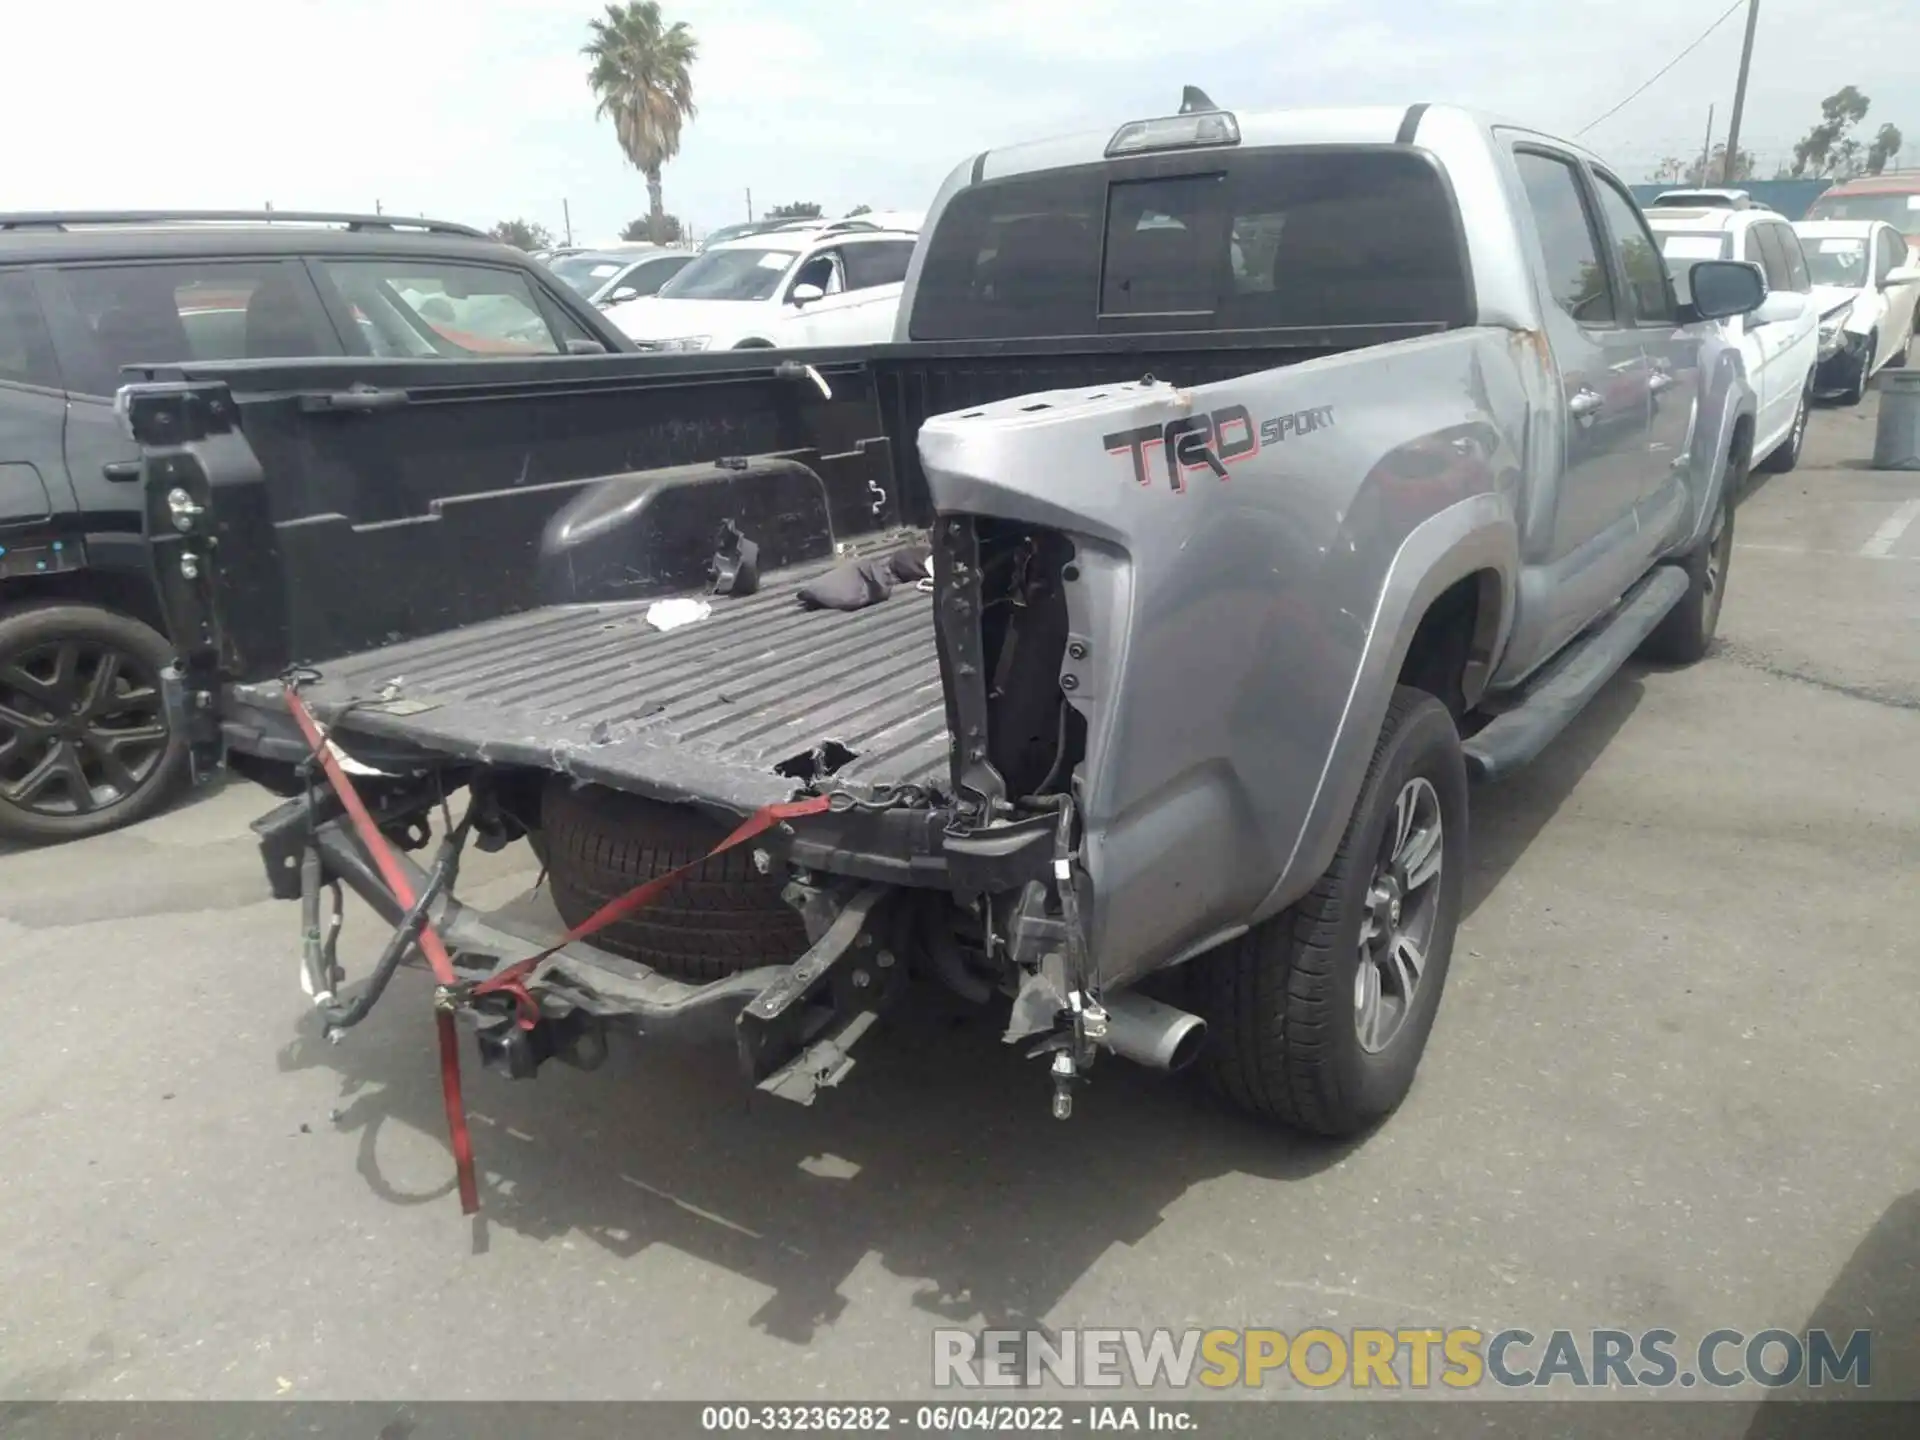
{"x": 1878, "y": 1289}
{"x": 937, "y": 1160}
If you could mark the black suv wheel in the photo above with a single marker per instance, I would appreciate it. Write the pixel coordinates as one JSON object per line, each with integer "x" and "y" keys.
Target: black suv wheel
{"x": 84, "y": 742}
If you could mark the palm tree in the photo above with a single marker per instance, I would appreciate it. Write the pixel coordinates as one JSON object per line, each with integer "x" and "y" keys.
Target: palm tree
{"x": 641, "y": 75}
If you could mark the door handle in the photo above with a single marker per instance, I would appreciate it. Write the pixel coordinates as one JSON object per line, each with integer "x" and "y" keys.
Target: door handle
{"x": 121, "y": 471}
{"x": 1585, "y": 403}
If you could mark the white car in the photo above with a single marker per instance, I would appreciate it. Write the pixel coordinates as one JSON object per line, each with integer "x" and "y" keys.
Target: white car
{"x": 813, "y": 284}
{"x": 1780, "y": 341}
{"x": 1865, "y": 288}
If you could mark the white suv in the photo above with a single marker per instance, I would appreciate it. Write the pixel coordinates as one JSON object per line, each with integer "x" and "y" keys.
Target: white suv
{"x": 1781, "y": 340}
{"x": 812, "y": 284}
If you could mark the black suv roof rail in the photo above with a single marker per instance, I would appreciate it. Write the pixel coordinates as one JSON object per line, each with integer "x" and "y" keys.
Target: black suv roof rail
{"x": 66, "y": 219}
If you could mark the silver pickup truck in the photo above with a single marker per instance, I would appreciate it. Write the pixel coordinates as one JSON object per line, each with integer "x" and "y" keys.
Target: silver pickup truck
{"x": 1265, "y": 477}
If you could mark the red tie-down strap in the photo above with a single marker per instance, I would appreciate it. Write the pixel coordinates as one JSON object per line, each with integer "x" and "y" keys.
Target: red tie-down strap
{"x": 511, "y": 980}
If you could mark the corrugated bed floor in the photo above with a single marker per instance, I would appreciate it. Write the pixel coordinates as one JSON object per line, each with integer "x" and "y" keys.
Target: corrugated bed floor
{"x": 705, "y": 711}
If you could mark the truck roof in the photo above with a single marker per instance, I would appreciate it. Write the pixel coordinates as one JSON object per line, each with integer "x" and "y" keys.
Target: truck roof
{"x": 1338, "y": 125}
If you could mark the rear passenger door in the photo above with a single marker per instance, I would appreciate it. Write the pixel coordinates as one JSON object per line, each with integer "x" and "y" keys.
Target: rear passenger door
{"x": 1788, "y": 348}
{"x": 104, "y": 317}
{"x": 1605, "y": 403}
{"x": 871, "y": 274}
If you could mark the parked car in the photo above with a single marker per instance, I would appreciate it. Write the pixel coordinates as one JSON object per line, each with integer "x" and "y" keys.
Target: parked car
{"x": 1245, "y": 556}
{"x": 1891, "y": 197}
{"x": 85, "y": 744}
{"x": 807, "y": 284}
{"x": 1866, "y": 285}
{"x": 609, "y": 277}
{"x": 1780, "y": 341}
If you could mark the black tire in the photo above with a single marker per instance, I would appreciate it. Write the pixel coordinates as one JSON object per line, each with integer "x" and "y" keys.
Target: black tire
{"x": 1283, "y": 1042}
{"x": 724, "y": 917}
{"x": 1856, "y": 390}
{"x": 77, "y": 760}
{"x": 1786, "y": 454}
{"x": 1687, "y": 633}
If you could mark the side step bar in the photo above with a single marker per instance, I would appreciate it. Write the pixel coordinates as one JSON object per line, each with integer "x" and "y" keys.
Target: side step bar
{"x": 1515, "y": 736}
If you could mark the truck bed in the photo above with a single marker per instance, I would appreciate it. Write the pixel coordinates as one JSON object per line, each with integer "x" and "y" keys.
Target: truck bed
{"x": 706, "y": 712}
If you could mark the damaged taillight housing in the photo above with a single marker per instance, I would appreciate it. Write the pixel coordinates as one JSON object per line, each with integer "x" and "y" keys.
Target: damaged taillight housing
{"x": 1000, "y": 595}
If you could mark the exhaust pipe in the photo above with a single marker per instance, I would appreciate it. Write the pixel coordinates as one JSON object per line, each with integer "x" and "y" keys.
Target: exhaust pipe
{"x": 1150, "y": 1033}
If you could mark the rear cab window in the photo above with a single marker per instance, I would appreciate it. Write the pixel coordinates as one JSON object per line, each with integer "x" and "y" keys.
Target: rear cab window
{"x": 1339, "y": 235}
{"x": 167, "y": 313}
{"x": 425, "y": 307}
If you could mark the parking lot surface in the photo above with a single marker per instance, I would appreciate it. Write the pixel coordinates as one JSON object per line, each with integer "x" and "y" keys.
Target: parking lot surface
{"x": 1673, "y": 1084}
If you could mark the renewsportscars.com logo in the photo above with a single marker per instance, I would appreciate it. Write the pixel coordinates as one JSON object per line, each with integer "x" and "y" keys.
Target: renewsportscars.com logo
{"x": 1414, "y": 1359}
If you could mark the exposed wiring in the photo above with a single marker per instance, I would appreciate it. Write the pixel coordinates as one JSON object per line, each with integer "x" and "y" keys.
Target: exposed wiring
{"x": 1737, "y": 4}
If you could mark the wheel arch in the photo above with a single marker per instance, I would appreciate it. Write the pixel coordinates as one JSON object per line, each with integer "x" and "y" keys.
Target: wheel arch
{"x": 1470, "y": 549}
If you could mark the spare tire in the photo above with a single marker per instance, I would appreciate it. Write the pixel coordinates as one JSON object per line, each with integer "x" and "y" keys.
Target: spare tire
{"x": 723, "y": 917}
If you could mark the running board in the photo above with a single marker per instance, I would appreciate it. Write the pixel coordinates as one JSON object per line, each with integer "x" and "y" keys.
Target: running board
{"x": 1515, "y": 736}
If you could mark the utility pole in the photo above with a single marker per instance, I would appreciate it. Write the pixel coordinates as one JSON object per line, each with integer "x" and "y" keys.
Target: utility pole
{"x": 1740, "y": 92}
{"x": 1706, "y": 149}
{"x": 376, "y": 208}
{"x": 566, "y": 213}
{"x": 749, "y": 202}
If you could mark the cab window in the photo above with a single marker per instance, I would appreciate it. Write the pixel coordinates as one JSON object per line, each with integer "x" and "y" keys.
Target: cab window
{"x": 1638, "y": 254}
{"x": 26, "y": 353}
{"x": 167, "y": 314}
{"x": 428, "y": 307}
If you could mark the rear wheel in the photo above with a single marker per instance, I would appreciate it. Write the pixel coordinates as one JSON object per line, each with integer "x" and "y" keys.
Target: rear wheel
{"x": 1318, "y": 1017}
{"x": 724, "y": 917}
{"x": 84, "y": 742}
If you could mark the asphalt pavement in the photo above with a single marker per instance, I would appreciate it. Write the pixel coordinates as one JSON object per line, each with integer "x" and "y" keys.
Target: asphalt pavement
{"x": 1672, "y": 1085}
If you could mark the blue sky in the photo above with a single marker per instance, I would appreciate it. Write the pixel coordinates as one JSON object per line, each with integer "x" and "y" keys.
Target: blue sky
{"x": 479, "y": 110}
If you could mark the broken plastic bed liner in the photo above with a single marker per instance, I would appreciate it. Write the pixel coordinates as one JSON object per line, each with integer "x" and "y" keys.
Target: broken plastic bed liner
{"x": 704, "y": 713}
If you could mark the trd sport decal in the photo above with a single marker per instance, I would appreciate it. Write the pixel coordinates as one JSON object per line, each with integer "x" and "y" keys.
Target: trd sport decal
{"x": 1211, "y": 442}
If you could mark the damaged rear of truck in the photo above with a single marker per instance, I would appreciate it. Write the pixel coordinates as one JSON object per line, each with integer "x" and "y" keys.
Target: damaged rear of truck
{"x": 1262, "y": 486}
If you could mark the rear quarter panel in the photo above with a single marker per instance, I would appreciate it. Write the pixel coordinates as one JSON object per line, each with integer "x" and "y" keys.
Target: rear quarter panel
{"x": 1245, "y": 631}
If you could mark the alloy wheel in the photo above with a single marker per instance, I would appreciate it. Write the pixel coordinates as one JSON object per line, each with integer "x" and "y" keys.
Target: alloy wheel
{"x": 1402, "y": 911}
{"x": 82, "y": 726}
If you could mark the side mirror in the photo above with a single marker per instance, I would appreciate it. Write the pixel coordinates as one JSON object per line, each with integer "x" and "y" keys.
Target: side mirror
{"x": 578, "y": 346}
{"x": 1778, "y": 306}
{"x": 807, "y": 294}
{"x": 1901, "y": 275}
{"x": 1724, "y": 288}
{"x": 621, "y": 296}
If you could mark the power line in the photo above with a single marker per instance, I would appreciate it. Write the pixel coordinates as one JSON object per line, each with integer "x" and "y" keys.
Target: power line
{"x": 1663, "y": 69}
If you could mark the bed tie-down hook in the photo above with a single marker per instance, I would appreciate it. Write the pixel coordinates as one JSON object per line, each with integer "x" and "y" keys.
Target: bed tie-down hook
{"x": 796, "y": 370}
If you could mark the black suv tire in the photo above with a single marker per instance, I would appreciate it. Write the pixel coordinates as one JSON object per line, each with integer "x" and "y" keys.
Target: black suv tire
{"x": 85, "y": 746}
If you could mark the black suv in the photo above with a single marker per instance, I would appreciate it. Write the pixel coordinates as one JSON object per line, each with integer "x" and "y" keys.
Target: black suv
{"x": 85, "y": 743}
